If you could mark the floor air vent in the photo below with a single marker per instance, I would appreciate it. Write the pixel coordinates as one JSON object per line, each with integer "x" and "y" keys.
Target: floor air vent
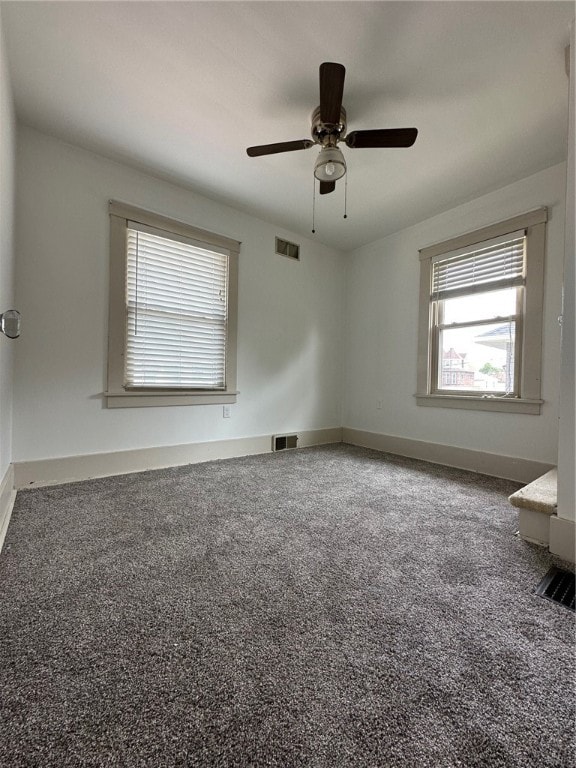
{"x": 558, "y": 586}
{"x": 281, "y": 442}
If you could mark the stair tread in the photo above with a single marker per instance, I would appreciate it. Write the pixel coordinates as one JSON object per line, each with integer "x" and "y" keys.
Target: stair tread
{"x": 541, "y": 495}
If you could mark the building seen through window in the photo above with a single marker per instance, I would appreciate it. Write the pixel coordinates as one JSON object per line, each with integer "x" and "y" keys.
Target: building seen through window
{"x": 478, "y": 354}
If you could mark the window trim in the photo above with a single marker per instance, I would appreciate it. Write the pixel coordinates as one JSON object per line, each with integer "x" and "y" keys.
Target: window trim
{"x": 529, "y": 402}
{"x": 119, "y": 396}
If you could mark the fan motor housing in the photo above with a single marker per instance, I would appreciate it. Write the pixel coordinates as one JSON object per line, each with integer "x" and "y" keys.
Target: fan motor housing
{"x": 322, "y": 132}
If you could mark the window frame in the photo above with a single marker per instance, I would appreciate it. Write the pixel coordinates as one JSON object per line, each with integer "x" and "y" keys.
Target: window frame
{"x": 528, "y": 335}
{"x": 117, "y": 394}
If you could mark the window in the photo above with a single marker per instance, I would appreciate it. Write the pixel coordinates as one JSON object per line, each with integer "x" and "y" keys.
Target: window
{"x": 481, "y": 318}
{"x": 173, "y": 297}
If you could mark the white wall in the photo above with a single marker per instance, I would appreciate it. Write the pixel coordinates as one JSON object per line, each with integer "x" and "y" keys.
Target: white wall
{"x": 381, "y": 331}
{"x": 291, "y": 355}
{"x": 7, "y": 150}
{"x": 566, "y": 445}
{"x": 289, "y": 324}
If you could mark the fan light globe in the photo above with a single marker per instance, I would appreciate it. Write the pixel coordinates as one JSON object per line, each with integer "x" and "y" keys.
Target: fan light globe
{"x": 330, "y": 164}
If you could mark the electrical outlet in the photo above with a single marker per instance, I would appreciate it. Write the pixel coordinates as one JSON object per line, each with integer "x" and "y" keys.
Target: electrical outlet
{"x": 226, "y": 411}
{"x": 379, "y": 405}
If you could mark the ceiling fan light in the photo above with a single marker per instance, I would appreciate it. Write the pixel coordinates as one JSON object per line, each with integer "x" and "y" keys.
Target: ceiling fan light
{"x": 330, "y": 164}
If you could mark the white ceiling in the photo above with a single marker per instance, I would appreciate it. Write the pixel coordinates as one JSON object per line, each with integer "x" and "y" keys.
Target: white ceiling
{"x": 182, "y": 88}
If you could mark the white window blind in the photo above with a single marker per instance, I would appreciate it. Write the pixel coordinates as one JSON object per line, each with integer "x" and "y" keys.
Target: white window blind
{"x": 496, "y": 264}
{"x": 176, "y": 307}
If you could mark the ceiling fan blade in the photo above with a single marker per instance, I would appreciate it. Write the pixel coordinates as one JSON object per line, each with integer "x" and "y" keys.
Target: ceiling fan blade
{"x": 283, "y": 146}
{"x": 384, "y": 137}
{"x": 326, "y": 187}
{"x": 331, "y": 91}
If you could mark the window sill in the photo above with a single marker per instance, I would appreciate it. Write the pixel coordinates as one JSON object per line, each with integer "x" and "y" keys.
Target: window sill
{"x": 479, "y": 403}
{"x": 146, "y": 399}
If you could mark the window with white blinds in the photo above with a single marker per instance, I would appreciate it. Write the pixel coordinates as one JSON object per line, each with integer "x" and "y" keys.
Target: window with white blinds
{"x": 491, "y": 266}
{"x": 480, "y": 321}
{"x": 173, "y": 312}
{"x": 176, "y": 312}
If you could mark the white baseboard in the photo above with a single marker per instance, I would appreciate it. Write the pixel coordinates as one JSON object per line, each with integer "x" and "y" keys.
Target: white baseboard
{"x": 72, "y": 468}
{"x": 83, "y": 467}
{"x": 312, "y": 437}
{"x": 507, "y": 467}
{"x": 7, "y": 496}
{"x": 563, "y": 538}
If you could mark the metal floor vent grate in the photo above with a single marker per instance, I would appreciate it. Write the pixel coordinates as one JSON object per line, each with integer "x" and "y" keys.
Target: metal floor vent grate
{"x": 282, "y": 442}
{"x": 558, "y": 586}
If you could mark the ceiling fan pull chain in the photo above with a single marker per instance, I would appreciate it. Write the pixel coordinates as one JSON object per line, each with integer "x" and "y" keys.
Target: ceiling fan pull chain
{"x": 313, "y": 203}
{"x": 345, "y": 195}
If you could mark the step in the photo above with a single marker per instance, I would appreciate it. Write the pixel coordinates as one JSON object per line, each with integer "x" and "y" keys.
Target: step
{"x": 541, "y": 495}
{"x": 536, "y": 503}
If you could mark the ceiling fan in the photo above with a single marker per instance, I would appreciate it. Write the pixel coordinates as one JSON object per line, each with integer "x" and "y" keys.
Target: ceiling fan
{"x": 329, "y": 128}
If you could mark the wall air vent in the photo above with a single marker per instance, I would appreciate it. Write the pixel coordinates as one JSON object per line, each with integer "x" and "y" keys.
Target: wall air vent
{"x": 284, "y": 248}
{"x": 282, "y": 442}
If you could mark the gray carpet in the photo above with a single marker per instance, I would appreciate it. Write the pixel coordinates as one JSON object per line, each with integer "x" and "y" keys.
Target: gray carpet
{"x": 328, "y": 607}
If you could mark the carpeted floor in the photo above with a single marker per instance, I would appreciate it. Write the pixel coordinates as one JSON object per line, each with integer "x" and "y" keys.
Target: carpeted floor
{"x": 329, "y": 607}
